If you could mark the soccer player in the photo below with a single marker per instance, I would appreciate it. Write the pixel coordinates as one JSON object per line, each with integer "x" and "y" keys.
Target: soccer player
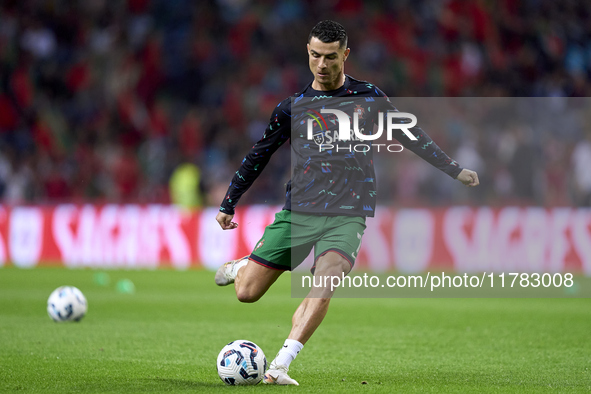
{"x": 334, "y": 222}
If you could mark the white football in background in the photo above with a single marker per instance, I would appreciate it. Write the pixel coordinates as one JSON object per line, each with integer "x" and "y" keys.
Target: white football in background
{"x": 67, "y": 303}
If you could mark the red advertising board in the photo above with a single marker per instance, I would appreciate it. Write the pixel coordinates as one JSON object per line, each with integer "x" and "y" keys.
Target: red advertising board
{"x": 524, "y": 239}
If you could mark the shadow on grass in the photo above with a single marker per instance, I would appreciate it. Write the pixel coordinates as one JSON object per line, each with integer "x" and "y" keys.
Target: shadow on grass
{"x": 168, "y": 384}
{"x": 180, "y": 384}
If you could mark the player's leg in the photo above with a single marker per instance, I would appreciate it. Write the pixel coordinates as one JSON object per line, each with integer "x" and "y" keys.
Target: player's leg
{"x": 336, "y": 254}
{"x": 254, "y": 280}
{"x": 253, "y": 275}
{"x": 313, "y": 308}
{"x": 307, "y": 318}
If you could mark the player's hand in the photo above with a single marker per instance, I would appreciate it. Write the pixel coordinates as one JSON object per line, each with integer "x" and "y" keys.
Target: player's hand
{"x": 468, "y": 177}
{"x": 225, "y": 221}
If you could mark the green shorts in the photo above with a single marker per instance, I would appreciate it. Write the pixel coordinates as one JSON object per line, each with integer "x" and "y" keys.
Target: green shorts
{"x": 290, "y": 238}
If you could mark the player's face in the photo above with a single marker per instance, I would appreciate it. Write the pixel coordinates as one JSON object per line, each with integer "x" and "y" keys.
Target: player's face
{"x": 327, "y": 62}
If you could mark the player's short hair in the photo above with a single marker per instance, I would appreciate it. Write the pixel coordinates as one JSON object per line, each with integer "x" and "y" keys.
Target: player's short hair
{"x": 329, "y": 31}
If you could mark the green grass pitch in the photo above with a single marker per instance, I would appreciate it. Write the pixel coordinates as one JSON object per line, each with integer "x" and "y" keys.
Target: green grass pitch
{"x": 167, "y": 335}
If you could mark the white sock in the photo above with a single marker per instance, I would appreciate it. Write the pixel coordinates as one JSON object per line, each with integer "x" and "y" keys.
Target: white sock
{"x": 288, "y": 352}
{"x": 239, "y": 264}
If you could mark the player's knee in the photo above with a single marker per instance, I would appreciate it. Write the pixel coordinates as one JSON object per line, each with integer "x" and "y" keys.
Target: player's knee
{"x": 332, "y": 264}
{"x": 247, "y": 295}
{"x": 335, "y": 271}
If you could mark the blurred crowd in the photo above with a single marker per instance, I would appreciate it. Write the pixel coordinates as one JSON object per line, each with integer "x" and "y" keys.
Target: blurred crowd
{"x": 102, "y": 100}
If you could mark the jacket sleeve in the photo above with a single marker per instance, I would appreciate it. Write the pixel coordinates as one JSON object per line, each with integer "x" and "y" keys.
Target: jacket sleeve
{"x": 423, "y": 146}
{"x": 276, "y": 134}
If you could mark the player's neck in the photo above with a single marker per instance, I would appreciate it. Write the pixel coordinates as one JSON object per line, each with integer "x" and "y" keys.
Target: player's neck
{"x": 329, "y": 86}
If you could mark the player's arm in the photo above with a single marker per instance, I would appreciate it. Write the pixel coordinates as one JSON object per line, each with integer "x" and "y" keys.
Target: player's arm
{"x": 428, "y": 150}
{"x": 276, "y": 134}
